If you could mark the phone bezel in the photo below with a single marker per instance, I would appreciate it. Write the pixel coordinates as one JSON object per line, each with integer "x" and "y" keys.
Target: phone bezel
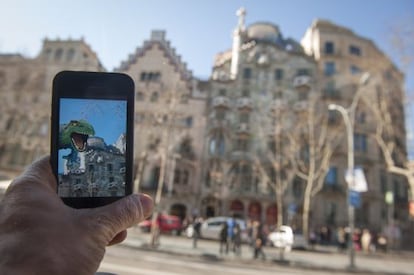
{"x": 93, "y": 85}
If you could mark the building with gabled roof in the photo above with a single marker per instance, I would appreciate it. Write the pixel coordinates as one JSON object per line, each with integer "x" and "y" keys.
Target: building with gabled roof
{"x": 169, "y": 124}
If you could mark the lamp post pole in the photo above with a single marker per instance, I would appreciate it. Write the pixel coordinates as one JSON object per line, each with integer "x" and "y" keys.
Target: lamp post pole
{"x": 351, "y": 209}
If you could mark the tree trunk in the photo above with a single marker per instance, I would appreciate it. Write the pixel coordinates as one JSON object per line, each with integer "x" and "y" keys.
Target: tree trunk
{"x": 306, "y": 210}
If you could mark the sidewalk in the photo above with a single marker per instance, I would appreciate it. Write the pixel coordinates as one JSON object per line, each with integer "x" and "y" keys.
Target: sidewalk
{"x": 322, "y": 258}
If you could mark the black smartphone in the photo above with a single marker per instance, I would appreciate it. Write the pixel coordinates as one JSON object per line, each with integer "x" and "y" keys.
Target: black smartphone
{"x": 92, "y": 137}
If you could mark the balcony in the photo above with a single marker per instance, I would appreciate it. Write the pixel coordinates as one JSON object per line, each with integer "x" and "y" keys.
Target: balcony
{"x": 302, "y": 81}
{"x": 275, "y": 131}
{"x": 214, "y": 124}
{"x": 301, "y": 106}
{"x": 244, "y": 103}
{"x": 238, "y": 155}
{"x": 221, "y": 101}
{"x": 243, "y": 128}
{"x": 278, "y": 105}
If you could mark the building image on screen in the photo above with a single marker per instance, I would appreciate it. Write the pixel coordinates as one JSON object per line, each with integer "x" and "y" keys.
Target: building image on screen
{"x": 92, "y": 144}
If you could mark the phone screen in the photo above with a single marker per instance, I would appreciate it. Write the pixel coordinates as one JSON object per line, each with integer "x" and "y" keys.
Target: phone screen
{"x": 92, "y": 147}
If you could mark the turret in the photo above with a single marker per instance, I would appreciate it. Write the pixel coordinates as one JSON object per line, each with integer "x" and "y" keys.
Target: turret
{"x": 237, "y": 34}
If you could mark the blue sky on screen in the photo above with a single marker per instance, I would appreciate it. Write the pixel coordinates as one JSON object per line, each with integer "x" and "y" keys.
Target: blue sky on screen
{"x": 108, "y": 117}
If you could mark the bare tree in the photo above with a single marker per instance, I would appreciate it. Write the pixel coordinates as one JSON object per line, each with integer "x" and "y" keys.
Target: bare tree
{"x": 391, "y": 140}
{"x": 272, "y": 161}
{"x": 389, "y": 117}
{"x": 314, "y": 142}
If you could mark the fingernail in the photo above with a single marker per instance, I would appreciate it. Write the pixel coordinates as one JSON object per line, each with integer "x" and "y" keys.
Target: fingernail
{"x": 147, "y": 204}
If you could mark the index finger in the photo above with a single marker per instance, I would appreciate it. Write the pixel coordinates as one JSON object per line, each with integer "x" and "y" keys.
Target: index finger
{"x": 39, "y": 172}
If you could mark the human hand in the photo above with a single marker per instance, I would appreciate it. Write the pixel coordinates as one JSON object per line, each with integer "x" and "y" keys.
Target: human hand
{"x": 39, "y": 234}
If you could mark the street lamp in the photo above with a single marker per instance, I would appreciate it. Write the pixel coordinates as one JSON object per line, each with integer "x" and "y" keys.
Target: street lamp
{"x": 351, "y": 209}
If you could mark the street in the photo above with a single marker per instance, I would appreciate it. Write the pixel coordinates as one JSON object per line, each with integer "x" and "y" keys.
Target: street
{"x": 127, "y": 261}
{"x": 175, "y": 255}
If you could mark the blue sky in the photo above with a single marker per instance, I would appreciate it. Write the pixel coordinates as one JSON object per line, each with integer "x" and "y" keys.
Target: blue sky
{"x": 198, "y": 29}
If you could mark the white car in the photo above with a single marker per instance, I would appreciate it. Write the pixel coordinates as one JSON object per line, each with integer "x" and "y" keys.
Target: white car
{"x": 282, "y": 237}
{"x": 210, "y": 228}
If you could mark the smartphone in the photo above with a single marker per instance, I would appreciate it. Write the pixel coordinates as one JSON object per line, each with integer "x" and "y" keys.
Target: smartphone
{"x": 92, "y": 137}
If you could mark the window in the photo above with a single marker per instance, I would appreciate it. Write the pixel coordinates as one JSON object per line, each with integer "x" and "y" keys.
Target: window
{"x": 329, "y": 68}
{"x": 140, "y": 96}
{"x": 71, "y": 54}
{"x": 155, "y": 175}
{"x": 154, "y": 97}
{"x": 278, "y": 95}
{"x": 150, "y": 76}
{"x": 303, "y": 71}
{"x": 247, "y": 73}
{"x": 58, "y": 54}
{"x": 139, "y": 117}
{"x": 272, "y": 146}
{"x": 361, "y": 117}
{"x": 189, "y": 122}
{"x": 332, "y": 117}
{"x": 242, "y": 144}
{"x": 217, "y": 145}
{"x": 278, "y": 74}
{"x": 332, "y": 176}
{"x": 354, "y": 50}
{"x": 177, "y": 176}
{"x": 297, "y": 188}
{"x": 244, "y": 117}
{"x": 245, "y": 93}
{"x": 185, "y": 177}
{"x": 109, "y": 168}
{"x": 354, "y": 69}
{"x": 383, "y": 181}
{"x": 302, "y": 96}
{"x": 222, "y": 92}
{"x": 360, "y": 142}
{"x": 220, "y": 114}
{"x": 329, "y": 47}
{"x": 330, "y": 91}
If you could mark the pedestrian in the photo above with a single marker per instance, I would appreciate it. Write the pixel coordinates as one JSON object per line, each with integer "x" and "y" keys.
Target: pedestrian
{"x": 341, "y": 238}
{"x": 230, "y": 231}
{"x": 313, "y": 238}
{"x": 260, "y": 240}
{"x": 237, "y": 239}
{"x": 224, "y": 245}
{"x": 196, "y": 233}
{"x": 366, "y": 240}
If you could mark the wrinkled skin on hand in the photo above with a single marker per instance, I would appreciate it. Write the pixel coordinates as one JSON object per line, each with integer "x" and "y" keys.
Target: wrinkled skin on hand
{"x": 39, "y": 234}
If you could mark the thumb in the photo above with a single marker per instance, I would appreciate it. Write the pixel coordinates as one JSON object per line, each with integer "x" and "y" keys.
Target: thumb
{"x": 113, "y": 218}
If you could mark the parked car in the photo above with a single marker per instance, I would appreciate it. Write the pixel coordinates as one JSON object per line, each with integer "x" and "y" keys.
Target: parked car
{"x": 167, "y": 223}
{"x": 210, "y": 228}
{"x": 284, "y": 237}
